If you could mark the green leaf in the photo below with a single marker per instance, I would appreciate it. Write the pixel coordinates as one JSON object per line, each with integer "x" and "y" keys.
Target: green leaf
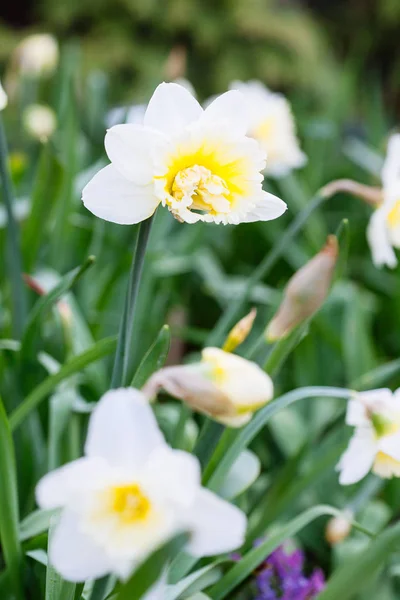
{"x": 242, "y": 474}
{"x": 36, "y": 523}
{"x": 46, "y": 302}
{"x": 9, "y": 534}
{"x": 150, "y": 571}
{"x": 254, "y": 557}
{"x": 260, "y": 419}
{"x": 355, "y": 574}
{"x": 76, "y": 364}
{"x": 377, "y": 377}
{"x": 195, "y": 582}
{"x": 154, "y": 359}
{"x": 44, "y": 195}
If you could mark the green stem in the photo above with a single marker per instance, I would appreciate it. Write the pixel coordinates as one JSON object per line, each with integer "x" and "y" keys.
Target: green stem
{"x": 99, "y": 588}
{"x": 208, "y": 439}
{"x": 122, "y": 355}
{"x": 179, "y": 433}
{"x": 233, "y": 313}
{"x": 19, "y": 305}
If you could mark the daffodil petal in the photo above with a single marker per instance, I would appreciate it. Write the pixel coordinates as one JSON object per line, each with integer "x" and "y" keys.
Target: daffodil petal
{"x": 217, "y": 526}
{"x": 271, "y": 207}
{"x": 391, "y": 168}
{"x": 358, "y": 459}
{"x": 75, "y": 556}
{"x": 69, "y": 482}
{"x": 390, "y": 445}
{"x": 131, "y": 149}
{"x": 171, "y": 109}
{"x": 114, "y": 198}
{"x": 378, "y": 239}
{"x": 229, "y": 108}
{"x": 123, "y": 429}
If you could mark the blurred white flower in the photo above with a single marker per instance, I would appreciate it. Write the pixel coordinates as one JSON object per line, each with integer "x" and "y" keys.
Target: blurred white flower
{"x": 375, "y": 444}
{"x": 224, "y": 386}
{"x": 384, "y": 227}
{"x": 39, "y": 121}
{"x": 272, "y": 125}
{"x": 3, "y": 98}
{"x": 37, "y": 55}
{"x": 129, "y": 494}
{"x": 198, "y": 163}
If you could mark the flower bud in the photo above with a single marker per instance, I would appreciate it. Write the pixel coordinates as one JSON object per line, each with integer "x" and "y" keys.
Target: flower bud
{"x": 3, "y": 98}
{"x": 39, "y": 121}
{"x": 240, "y": 331}
{"x": 338, "y": 528}
{"x": 305, "y": 292}
{"x": 37, "y": 55}
{"x": 371, "y": 195}
{"x": 223, "y": 386}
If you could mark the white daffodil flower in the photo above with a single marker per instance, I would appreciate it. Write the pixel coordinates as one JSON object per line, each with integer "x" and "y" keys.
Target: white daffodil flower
{"x": 198, "y": 163}
{"x": 129, "y": 494}
{"x": 37, "y": 55}
{"x": 3, "y": 98}
{"x": 272, "y": 124}
{"x": 222, "y": 385}
{"x": 384, "y": 227}
{"x": 375, "y": 444}
{"x": 39, "y": 121}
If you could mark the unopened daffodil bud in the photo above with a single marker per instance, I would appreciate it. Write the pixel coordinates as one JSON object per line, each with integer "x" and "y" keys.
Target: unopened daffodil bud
{"x": 305, "y": 292}
{"x": 3, "y": 98}
{"x": 240, "y": 331}
{"x": 338, "y": 528}
{"x": 39, "y": 121}
{"x": 37, "y": 55}
{"x": 223, "y": 386}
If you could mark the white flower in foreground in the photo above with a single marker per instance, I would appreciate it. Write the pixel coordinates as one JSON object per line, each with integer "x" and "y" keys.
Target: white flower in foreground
{"x": 224, "y": 386}
{"x": 272, "y": 125}
{"x": 3, "y": 98}
{"x": 384, "y": 227}
{"x": 375, "y": 444}
{"x": 129, "y": 494}
{"x": 198, "y": 163}
{"x": 37, "y": 55}
{"x": 39, "y": 121}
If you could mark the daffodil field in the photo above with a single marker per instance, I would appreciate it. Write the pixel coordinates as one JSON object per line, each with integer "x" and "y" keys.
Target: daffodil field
{"x": 199, "y": 339}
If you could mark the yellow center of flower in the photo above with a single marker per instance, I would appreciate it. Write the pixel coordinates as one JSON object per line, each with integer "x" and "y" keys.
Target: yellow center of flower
{"x": 129, "y": 502}
{"x": 200, "y": 189}
{"x": 393, "y": 217}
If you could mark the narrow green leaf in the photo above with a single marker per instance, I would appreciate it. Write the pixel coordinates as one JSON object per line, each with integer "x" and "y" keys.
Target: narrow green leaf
{"x": 284, "y": 347}
{"x": 355, "y": 574}
{"x": 150, "y": 571}
{"x": 36, "y": 523}
{"x": 76, "y": 364}
{"x": 254, "y": 557}
{"x": 195, "y": 582}
{"x": 46, "y": 302}
{"x": 9, "y": 517}
{"x": 154, "y": 359}
{"x": 260, "y": 419}
{"x": 44, "y": 195}
{"x": 377, "y": 377}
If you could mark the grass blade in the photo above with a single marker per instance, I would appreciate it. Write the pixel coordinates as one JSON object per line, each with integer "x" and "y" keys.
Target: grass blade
{"x": 154, "y": 359}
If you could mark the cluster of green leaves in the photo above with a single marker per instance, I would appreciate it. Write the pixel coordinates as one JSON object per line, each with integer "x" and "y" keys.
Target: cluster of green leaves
{"x": 56, "y": 349}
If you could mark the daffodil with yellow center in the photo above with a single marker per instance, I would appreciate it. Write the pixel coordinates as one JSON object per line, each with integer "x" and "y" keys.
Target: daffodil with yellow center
{"x": 129, "y": 494}
{"x": 273, "y": 126}
{"x": 384, "y": 227}
{"x": 198, "y": 163}
{"x": 375, "y": 445}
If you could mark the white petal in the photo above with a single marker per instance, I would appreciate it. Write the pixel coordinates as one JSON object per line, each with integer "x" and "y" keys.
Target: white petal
{"x": 356, "y": 413}
{"x": 229, "y": 108}
{"x": 391, "y": 168}
{"x": 131, "y": 149}
{"x": 113, "y": 198}
{"x": 123, "y": 429}
{"x": 390, "y": 445}
{"x": 217, "y": 525}
{"x": 358, "y": 459}
{"x": 378, "y": 239}
{"x": 174, "y": 474}
{"x": 75, "y": 556}
{"x": 171, "y": 109}
{"x": 61, "y": 486}
{"x": 271, "y": 207}
{"x": 3, "y": 98}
